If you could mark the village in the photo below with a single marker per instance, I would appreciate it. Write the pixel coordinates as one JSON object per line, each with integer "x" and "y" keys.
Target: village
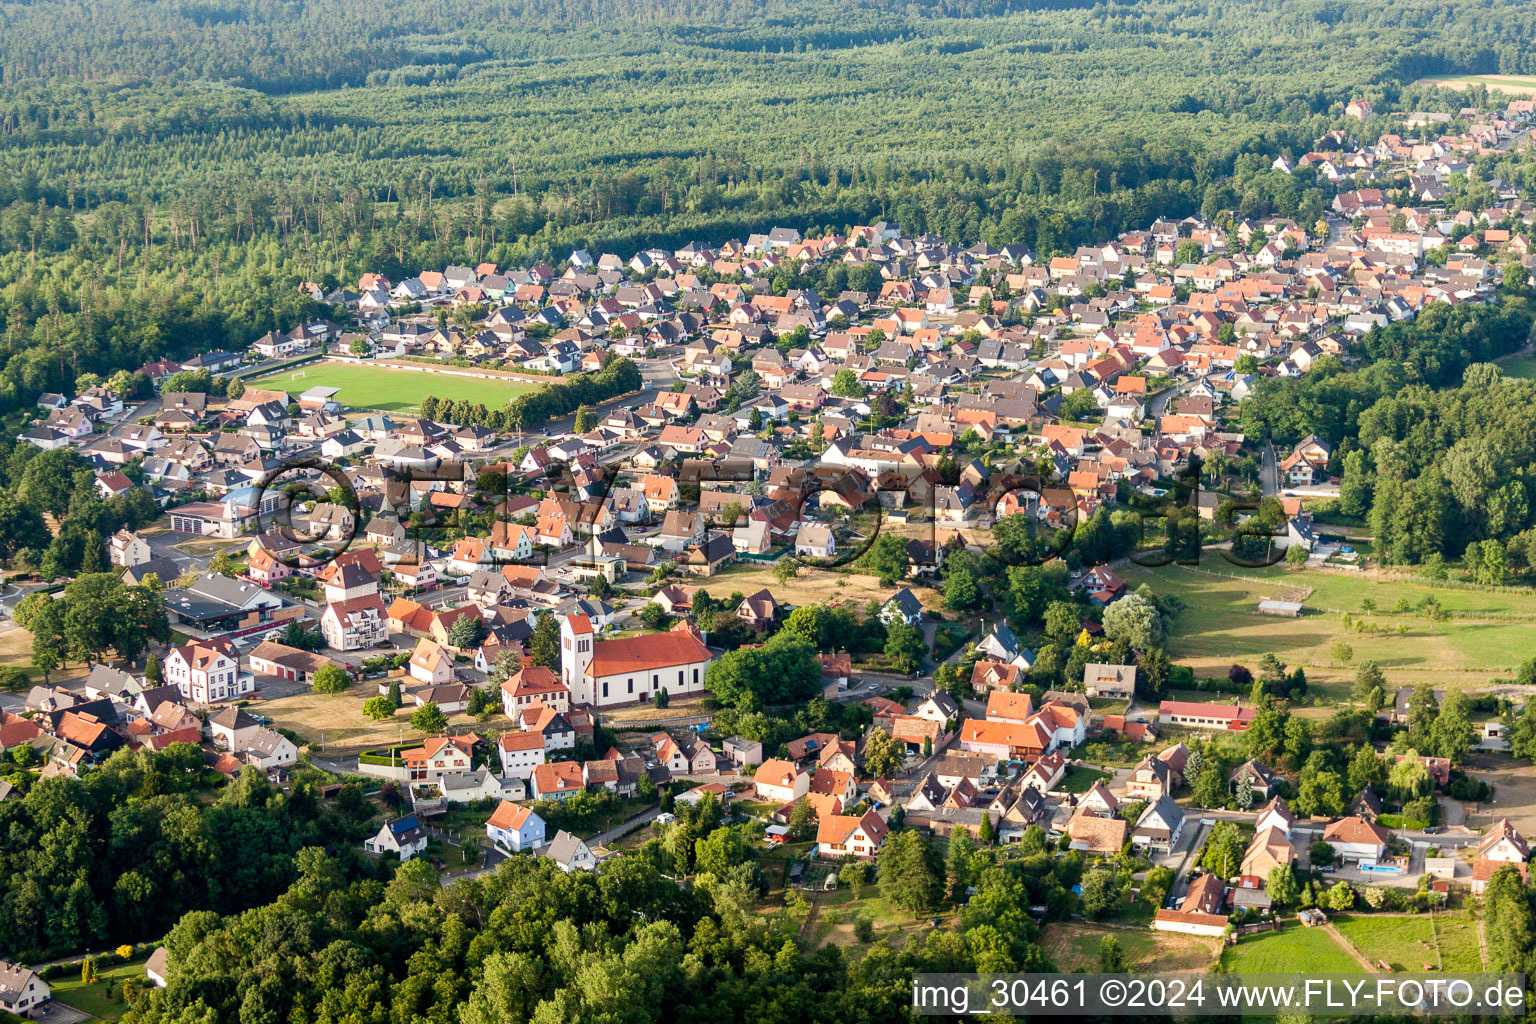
{"x": 510, "y": 631}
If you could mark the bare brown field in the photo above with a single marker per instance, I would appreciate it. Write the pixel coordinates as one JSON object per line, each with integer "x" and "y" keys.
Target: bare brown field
{"x": 336, "y": 723}
{"x": 812, "y": 586}
{"x": 1074, "y": 946}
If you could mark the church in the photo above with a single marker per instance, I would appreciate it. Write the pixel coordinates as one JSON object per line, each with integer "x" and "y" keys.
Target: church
{"x": 632, "y": 669}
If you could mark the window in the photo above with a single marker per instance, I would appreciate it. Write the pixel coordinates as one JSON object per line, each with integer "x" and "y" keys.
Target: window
{"x": 679, "y": 678}
{"x": 695, "y": 677}
{"x": 655, "y": 679}
{"x": 605, "y": 690}
{"x": 631, "y": 685}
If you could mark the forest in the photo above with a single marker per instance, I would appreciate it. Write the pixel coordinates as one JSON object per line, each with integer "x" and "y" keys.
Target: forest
{"x": 1432, "y": 443}
{"x": 173, "y": 169}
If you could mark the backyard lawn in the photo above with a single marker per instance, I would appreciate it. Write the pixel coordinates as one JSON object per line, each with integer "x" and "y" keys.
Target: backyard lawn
{"x": 1297, "y": 949}
{"x": 1409, "y": 943}
{"x": 388, "y": 390}
{"x": 1487, "y": 632}
{"x": 1080, "y": 780}
{"x": 93, "y": 998}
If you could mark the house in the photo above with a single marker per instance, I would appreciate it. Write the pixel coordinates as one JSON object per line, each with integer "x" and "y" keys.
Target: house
{"x": 1355, "y": 839}
{"x": 534, "y": 685}
{"x": 1151, "y": 779}
{"x": 157, "y": 968}
{"x": 274, "y": 659}
{"x": 232, "y": 728}
{"x": 742, "y": 752}
{"x": 1503, "y": 843}
{"x": 843, "y": 835}
{"x": 128, "y": 549}
{"x": 206, "y": 671}
{"x": 1195, "y": 715}
{"x": 1261, "y": 781}
{"x": 267, "y": 748}
{"x": 903, "y": 606}
{"x": 355, "y": 623}
{"x": 521, "y": 752}
{"x": 686, "y": 754}
{"x": 1103, "y": 837}
{"x": 629, "y": 670}
{"x": 815, "y": 540}
{"x": 515, "y": 828}
{"x": 557, "y": 780}
{"x": 1271, "y": 848}
{"x": 1200, "y": 913}
{"x": 1276, "y": 814}
{"x": 1115, "y": 682}
{"x": 569, "y": 853}
{"x": 438, "y": 756}
{"x": 430, "y": 663}
{"x": 23, "y": 991}
{"x": 1159, "y": 826}
{"x": 1001, "y": 645}
{"x": 780, "y": 782}
{"x": 405, "y": 837}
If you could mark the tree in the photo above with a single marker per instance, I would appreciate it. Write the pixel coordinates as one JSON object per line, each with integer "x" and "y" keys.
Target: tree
{"x": 1101, "y": 893}
{"x": 1281, "y": 886}
{"x": 378, "y": 708}
{"x": 909, "y": 872}
{"x": 393, "y": 696}
{"x": 429, "y": 718}
{"x": 1341, "y": 897}
{"x": 961, "y": 593}
{"x": 586, "y": 419}
{"x": 332, "y": 678}
{"x": 1296, "y": 556}
{"x": 1368, "y": 677}
{"x": 1063, "y": 620}
{"x": 882, "y": 755}
{"x": 1209, "y": 789}
{"x": 1452, "y": 734}
{"x": 48, "y": 637}
{"x": 958, "y": 862}
{"x": 904, "y": 646}
{"x": 1153, "y": 673}
{"x": 1341, "y": 652}
{"x": 467, "y": 631}
{"x": 1223, "y": 851}
{"x": 225, "y": 564}
{"x": 1111, "y": 958}
{"x": 544, "y": 645}
{"x": 1366, "y": 769}
{"x": 887, "y": 558}
{"x": 1134, "y": 620}
{"x": 987, "y": 834}
{"x": 786, "y": 569}
{"x": 153, "y": 675}
{"x": 802, "y": 821}
{"x": 845, "y": 384}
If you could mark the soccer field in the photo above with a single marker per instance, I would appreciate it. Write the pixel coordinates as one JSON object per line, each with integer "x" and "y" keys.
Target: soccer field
{"x": 389, "y": 390}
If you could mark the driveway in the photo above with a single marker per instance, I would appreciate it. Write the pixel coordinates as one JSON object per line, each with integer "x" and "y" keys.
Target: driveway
{"x": 61, "y": 1013}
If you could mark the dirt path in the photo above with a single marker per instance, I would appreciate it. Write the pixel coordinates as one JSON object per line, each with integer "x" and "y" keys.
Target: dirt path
{"x": 1349, "y": 947}
{"x": 1482, "y": 942}
{"x": 810, "y": 920}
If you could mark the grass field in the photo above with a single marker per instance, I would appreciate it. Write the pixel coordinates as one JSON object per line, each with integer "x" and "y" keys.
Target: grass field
{"x": 1409, "y": 943}
{"x": 93, "y": 998}
{"x": 1513, "y": 85}
{"x": 1074, "y": 946}
{"x": 389, "y": 390}
{"x": 1487, "y": 634}
{"x": 1519, "y": 366}
{"x": 1310, "y": 950}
